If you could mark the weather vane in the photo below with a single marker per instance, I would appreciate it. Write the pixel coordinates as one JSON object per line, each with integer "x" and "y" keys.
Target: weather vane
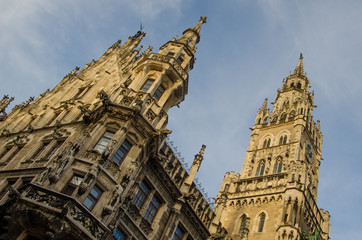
{"x": 141, "y": 27}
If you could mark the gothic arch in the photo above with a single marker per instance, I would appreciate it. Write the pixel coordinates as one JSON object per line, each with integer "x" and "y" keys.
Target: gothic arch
{"x": 260, "y": 221}
{"x": 260, "y": 170}
{"x": 278, "y": 165}
{"x": 267, "y": 138}
{"x": 282, "y": 134}
{"x": 243, "y": 226}
{"x": 35, "y": 224}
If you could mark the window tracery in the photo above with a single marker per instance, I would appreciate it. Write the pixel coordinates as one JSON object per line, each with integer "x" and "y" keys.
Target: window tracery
{"x": 260, "y": 169}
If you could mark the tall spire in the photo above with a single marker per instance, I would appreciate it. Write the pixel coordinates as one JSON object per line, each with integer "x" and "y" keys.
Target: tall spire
{"x": 191, "y": 36}
{"x": 197, "y": 27}
{"x": 299, "y": 70}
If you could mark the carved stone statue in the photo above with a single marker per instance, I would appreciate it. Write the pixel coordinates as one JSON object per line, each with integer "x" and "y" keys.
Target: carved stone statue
{"x": 65, "y": 158}
{"x": 89, "y": 178}
{"x": 107, "y": 151}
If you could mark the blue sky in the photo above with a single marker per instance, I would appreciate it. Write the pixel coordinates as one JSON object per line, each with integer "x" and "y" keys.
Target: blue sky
{"x": 246, "y": 49}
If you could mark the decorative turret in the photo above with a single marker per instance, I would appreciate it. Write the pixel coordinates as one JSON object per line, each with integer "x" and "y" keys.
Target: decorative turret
{"x": 263, "y": 114}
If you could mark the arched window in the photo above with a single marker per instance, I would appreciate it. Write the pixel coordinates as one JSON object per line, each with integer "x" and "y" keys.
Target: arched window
{"x": 260, "y": 169}
{"x": 266, "y": 120}
{"x": 301, "y": 111}
{"x": 259, "y": 121}
{"x": 278, "y": 166}
{"x": 292, "y": 85}
{"x": 266, "y": 143}
{"x": 283, "y": 140}
{"x": 244, "y": 226}
{"x": 261, "y": 222}
{"x": 299, "y": 85}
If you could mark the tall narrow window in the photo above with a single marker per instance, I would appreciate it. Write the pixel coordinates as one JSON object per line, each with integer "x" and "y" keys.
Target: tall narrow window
{"x": 13, "y": 154}
{"x": 55, "y": 148}
{"x": 72, "y": 185}
{"x": 147, "y": 85}
{"x": 92, "y": 197}
{"x": 278, "y": 167}
{"x": 122, "y": 152}
{"x": 261, "y": 222}
{"x": 118, "y": 235}
{"x": 81, "y": 92}
{"x": 141, "y": 195}
{"x": 55, "y": 115}
{"x": 179, "y": 233}
{"x": 160, "y": 90}
{"x": 40, "y": 150}
{"x": 103, "y": 142}
{"x": 244, "y": 227}
{"x": 260, "y": 169}
{"x": 152, "y": 209}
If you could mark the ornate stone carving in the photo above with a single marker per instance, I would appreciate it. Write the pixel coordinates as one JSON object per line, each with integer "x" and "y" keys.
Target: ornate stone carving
{"x": 89, "y": 178}
{"x": 127, "y": 100}
{"x": 64, "y": 159}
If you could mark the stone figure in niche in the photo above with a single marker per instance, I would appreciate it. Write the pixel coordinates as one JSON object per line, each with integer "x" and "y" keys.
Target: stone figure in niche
{"x": 114, "y": 200}
{"x": 65, "y": 158}
{"x": 80, "y": 141}
{"x": 89, "y": 178}
{"x": 107, "y": 151}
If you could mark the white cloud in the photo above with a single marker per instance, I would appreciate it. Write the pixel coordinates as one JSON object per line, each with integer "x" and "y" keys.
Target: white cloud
{"x": 151, "y": 9}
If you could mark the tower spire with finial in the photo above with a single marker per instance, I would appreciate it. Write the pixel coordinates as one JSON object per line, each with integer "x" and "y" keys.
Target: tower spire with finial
{"x": 299, "y": 70}
{"x": 191, "y": 36}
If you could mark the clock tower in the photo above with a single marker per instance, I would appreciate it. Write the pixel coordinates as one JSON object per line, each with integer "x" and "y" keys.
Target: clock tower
{"x": 274, "y": 196}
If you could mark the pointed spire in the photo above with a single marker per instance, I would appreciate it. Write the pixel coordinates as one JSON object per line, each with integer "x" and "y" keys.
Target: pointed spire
{"x": 299, "y": 70}
{"x": 265, "y": 105}
{"x": 191, "y": 36}
{"x": 197, "y": 27}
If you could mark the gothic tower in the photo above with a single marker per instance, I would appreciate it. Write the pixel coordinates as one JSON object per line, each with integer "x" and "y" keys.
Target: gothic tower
{"x": 88, "y": 159}
{"x": 274, "y": 196}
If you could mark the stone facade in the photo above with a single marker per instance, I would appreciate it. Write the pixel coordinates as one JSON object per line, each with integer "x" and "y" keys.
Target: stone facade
{"x": 88, "y": 159}
{"x": 274, "y": 196}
